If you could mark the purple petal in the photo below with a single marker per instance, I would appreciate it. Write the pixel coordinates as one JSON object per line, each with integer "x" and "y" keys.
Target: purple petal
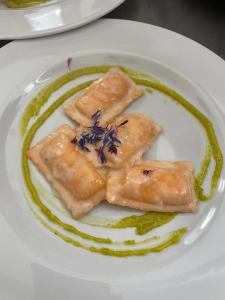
{"x": 147, "y": 172}
{"x": 97, "y": 130}
{"x": 101, "y": 155}
{"x": 115, "y": 140}
{"x": 94, "y": 139}
{"x": 96, "y": 116}
{"x": 74, "y": 141}
{"x": 83, "y": 140}
{"x": 112, "y": 149}
{"x": 69, "y": 62}
{"x": 123, "y": 123}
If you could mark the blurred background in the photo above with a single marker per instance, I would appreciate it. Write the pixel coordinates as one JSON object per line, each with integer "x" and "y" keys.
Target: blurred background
{"x": 202, "y": 21}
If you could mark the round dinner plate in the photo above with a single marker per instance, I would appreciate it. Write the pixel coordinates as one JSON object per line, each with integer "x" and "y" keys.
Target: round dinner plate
{"x": 36, "y": 264}
{"x": 51, "y": 18}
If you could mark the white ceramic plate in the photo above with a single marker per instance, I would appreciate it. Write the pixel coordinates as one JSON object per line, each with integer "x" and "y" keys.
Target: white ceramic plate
{"x": 51, "y": 18}
{"x": 37, "y": 265}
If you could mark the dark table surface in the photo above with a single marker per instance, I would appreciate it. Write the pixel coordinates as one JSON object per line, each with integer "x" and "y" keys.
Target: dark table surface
{"x": 202, "y": 21}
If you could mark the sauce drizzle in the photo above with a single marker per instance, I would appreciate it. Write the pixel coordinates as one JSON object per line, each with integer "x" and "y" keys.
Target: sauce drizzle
{"x": 142, "y": 223}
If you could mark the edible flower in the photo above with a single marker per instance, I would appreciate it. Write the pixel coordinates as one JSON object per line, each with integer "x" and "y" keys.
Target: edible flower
{"x": 69, "y": 62}
{"x": 107, "y": 137}
{"x": 101, "y": 154}
{"x": 147, "y": 172}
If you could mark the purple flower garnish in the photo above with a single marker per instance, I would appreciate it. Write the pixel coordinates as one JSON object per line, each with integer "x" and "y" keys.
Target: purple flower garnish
{"x": 74, "y": 141}
{"x": 106, "y": 136}
{"x": 115, "y": 140}
{"x": 123, "y": 123}
{"x": 97, "y": 130}
{"x": 147, "y": 172}
{"x": 96, "y": 134}
{"x": 101, "y": 155}
{"x": 83, "y": 141}
{"x": 69, "y": 62}
{"x": 112, "y": 149}
{"x": 110, "y": 137}
{"x": 94, "y": 139}
{"x": 96, "y": 117}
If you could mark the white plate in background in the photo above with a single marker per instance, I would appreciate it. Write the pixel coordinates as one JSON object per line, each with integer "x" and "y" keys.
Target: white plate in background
{"x": 51, "y": 18}
{"x": 45, "y": 267}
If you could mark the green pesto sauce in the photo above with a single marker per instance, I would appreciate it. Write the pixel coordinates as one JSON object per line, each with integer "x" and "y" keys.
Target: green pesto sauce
{"x": 24, "y": 3}
{"x": 145, "y": 222}
{"x": 199, "y": 179}
{"x": 171, "y": 238}
{"x": 149, "y": 91}
{"x": 142, "y": 223}
{"x": 137, "y": 74}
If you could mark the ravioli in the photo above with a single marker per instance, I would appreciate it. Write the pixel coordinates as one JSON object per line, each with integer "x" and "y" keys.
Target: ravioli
{"x": 154, "y": 186}
{"x": 111, "y": 94}
{"x": 136, "y": 134}
{"x": 79, "y": 184}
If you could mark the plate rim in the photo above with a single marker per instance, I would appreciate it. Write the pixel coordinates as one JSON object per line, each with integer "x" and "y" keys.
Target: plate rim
{"x": 199, "y": 45}
{"x": 64, "y": 28}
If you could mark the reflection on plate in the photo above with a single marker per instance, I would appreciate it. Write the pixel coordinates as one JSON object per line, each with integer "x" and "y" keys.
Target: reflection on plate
{"x": 49, "y": 18}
